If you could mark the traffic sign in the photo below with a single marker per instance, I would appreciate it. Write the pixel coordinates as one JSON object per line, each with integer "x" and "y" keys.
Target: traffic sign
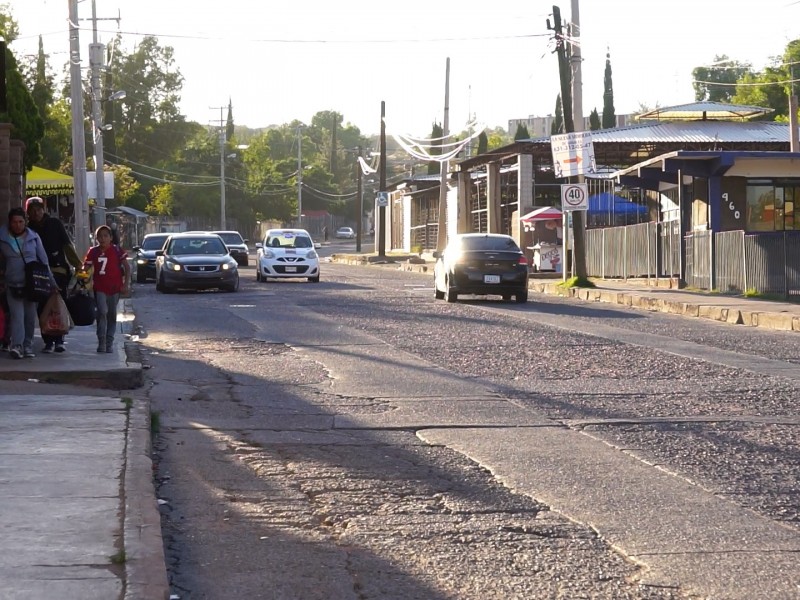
{"x": 573, "y": 154}
{"x": 382, "y": 198}
{"x": 574, "y": 196}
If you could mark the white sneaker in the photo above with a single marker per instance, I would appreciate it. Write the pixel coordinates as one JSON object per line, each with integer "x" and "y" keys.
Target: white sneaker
{"x": 16, "y": 352}
{"x": 28, "y": 353}
{"x": 48, "y": 348}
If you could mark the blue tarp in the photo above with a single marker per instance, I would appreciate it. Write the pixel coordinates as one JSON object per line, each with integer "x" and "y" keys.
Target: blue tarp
{"x": 606, "y": 202}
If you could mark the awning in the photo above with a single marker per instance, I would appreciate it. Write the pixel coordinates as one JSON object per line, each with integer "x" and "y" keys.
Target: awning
{"x": 42, "y": 182}
{"x": 543, "y": 213}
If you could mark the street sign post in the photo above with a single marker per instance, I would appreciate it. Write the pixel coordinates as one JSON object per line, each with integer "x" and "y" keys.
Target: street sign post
{"x": 573, "y": 154}
{"x": 574, "y": 196}
{"x": 382, "y": 199}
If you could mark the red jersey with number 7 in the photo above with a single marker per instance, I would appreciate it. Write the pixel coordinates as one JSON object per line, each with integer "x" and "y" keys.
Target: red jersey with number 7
{"x": 107, "y": 268}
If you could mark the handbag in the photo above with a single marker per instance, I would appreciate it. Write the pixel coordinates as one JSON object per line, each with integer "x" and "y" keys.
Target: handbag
{"x": 81, "y": 304}
{"x": 55, "y": 319}
{"x": 37, "y": 278}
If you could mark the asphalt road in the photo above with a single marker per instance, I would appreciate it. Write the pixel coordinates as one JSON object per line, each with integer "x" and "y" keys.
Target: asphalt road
{"x": 357, "y": 439}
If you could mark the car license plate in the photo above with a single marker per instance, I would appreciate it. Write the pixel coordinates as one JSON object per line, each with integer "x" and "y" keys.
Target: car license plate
{"x": 491, "y": 279}
{"x": 291, "y": 269}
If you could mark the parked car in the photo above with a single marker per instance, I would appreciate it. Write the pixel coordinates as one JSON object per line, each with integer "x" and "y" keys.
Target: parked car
{"x": 146, "y": 255}
{"x": 287, "y": 253}
{"x": 237, "y": 246}
{"x": 345, "y": 233}
{"x": 195, "y": 261}
{"x": 481, "y": 264}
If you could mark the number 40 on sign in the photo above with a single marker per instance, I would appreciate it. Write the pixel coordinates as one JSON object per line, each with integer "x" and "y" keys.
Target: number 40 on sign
{"x": 574, "y": 196}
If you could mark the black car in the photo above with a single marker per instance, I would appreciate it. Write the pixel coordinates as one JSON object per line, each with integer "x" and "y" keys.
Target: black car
{"x": 237, "y": 246}
{"x": 197, "y": 261}
{"x": 481, "y": 264}
{"x": 146, "y": 255}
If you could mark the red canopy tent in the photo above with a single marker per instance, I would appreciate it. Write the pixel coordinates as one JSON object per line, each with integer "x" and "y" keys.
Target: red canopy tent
{"x": 543, "y": 213}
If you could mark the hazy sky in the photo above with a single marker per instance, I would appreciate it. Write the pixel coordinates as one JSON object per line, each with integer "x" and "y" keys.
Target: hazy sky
{"x": 280, "y": 60}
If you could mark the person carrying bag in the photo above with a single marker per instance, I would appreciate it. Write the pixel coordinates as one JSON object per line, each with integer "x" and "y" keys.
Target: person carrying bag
{"x": 62, "y": 258}
{"x": 19, "y": 246}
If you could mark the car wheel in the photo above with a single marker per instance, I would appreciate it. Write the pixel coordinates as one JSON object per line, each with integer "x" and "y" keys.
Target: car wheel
{"x": 522, "y": 297}
{"x": 439, "y": 295}
{"x": 258, "y": 275}
{"x": 314, "y": 279}
{"x": 450, "y": 295}
{"x": 506, "y": 297}
{"x": 245, "y": 261}
{"x": 162, "y": 287}
{"x": 141, "y": 277}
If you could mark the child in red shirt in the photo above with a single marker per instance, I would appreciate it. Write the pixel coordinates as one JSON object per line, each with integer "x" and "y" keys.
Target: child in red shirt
{"x": 110, "y": 276}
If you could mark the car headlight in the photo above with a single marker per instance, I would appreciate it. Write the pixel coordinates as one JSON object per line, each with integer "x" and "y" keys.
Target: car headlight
{"x": 311, "y": 254}
{"x": 172, "y": 266}
{"x": 268, "y": 254}
{"x": 141, "y": 261}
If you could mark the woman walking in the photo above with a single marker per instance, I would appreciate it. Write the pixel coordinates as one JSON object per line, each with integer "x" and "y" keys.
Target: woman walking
{"x": 110, "y": 276}
{"x": 20, "y": 245}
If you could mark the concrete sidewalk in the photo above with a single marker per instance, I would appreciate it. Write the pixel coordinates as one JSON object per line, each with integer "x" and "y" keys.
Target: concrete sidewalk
{"x": 639, "y": 293}
{"x": 77, "y": 503}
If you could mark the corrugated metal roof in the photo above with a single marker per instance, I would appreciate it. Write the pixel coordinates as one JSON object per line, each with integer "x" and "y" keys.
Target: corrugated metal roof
{"x": 691, "y": 132}
{"x": 705, "y": 110}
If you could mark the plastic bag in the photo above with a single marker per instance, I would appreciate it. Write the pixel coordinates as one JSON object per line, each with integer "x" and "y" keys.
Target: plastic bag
{"x": 81, "y": 304}
{"x": 55, "y": 319}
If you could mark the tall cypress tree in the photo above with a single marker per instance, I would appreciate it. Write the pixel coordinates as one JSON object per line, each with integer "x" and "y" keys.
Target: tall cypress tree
{"x": 229, "y": 129}
{"x": 609, "y": 117}
{"x": 594, "y": 121}
{"x": 483, "y": 142}
{"x": 522, "y": 132}
{"x": 437, "y": 132}
{"x": 558, "y": 123}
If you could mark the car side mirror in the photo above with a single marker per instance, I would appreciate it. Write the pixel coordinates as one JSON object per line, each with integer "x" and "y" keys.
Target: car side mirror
{"x": 259, "y": 245}
{"x": 137, "y": 248}
{"x": 246, "y": 241}
{"x": 437, "y": 254}
{"x": 159, "y": 253}
{"x": 317, "y": 245}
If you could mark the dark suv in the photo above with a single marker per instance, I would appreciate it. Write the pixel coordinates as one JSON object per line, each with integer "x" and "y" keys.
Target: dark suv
{"x": 146, "y": 255}
{"x": 237, "y": 246}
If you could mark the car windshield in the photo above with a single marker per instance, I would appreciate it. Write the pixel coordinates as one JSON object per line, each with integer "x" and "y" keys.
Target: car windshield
{"x": 498, "y": 244}
{"x": 231, "y": 238}
{"x": 154, "y": 243}
{"x": 288, "y": 240}
{"x": 186, "y": 246}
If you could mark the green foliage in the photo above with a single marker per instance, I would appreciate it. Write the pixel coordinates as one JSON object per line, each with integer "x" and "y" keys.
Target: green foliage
{"x": 22, "y": 113}
{"x": 162, "y": 200}
{"x": 9, "y": 29}
{"x": 716, "y": 83}
{"x": 594, "y": 121}
{"x": 435, "y": 167}
{"x": 609, "y": 115}
{"x": 483, "y": 142}
{"x": 581, "y": 282}
{"x": 558, "y": 121}
{"x": 522, "y": 132}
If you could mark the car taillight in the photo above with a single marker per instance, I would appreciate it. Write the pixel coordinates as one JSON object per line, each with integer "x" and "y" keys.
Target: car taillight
{"x": 523, "y": 260}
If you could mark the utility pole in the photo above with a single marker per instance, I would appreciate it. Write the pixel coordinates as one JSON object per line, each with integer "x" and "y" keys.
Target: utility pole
{"x": 223, "y": 142}
{"x": 359, "y": 199}
{"x": 96, "y": 61}
{"x": 81, "y": 200}
{"x": 299, "y": 177}
{"x": 444, "y": 167}
{"x": 569, "y": 70}
{"x": 382, "y": 210}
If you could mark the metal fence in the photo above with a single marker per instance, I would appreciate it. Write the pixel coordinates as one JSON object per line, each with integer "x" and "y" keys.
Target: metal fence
{"x": 766, "y": 262}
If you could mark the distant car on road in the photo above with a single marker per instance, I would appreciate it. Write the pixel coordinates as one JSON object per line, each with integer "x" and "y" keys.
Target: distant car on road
{"x": 237, "y": 246}
{"x": 146, "y": 255}
{"x": 481, "y": 264}
{"x": 195, "y": 261}
{"x": 287, "y": 253}
{"x": 345, "y": 233}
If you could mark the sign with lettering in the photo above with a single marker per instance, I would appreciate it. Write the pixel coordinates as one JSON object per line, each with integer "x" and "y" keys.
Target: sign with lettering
{"x": 573, "y": 154}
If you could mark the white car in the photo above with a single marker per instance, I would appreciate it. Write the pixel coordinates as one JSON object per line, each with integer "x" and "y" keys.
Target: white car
{"x": 287, "y": 253}
{"x": 345, "y": 233}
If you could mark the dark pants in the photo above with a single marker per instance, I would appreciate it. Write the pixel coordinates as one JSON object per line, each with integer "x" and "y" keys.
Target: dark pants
{"x": 63, "y": 281}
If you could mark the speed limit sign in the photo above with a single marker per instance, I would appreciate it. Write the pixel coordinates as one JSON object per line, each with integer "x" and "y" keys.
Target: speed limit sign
{"x": 574, "y": 196}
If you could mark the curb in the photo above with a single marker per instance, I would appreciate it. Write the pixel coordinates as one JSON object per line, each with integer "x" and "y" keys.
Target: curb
{"x": 145, "y": 565}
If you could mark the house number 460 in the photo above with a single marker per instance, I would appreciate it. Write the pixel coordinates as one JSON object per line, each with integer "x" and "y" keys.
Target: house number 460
{"x": 731, "y": 207}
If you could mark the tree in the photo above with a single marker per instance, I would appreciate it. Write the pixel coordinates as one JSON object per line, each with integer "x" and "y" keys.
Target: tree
{"x": 22, "y": 113}
{"x": 162, "y": 200}
{"x": 483, "y": 142}
{"x": 716, "y": 83}
{"x": 775, "y": 83}
{"x": 434, "y": 167}
{"x": 558, "y": 122}
{"x": 594, "y": 121}
{"x": 55, "y": 114}
{"x": 229, "y": 127}
{"x": 522, "y": 132}
{"x": 609, "y": 116}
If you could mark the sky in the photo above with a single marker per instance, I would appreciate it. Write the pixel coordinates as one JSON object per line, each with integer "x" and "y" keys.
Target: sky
{"x": 281, "y": 60}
